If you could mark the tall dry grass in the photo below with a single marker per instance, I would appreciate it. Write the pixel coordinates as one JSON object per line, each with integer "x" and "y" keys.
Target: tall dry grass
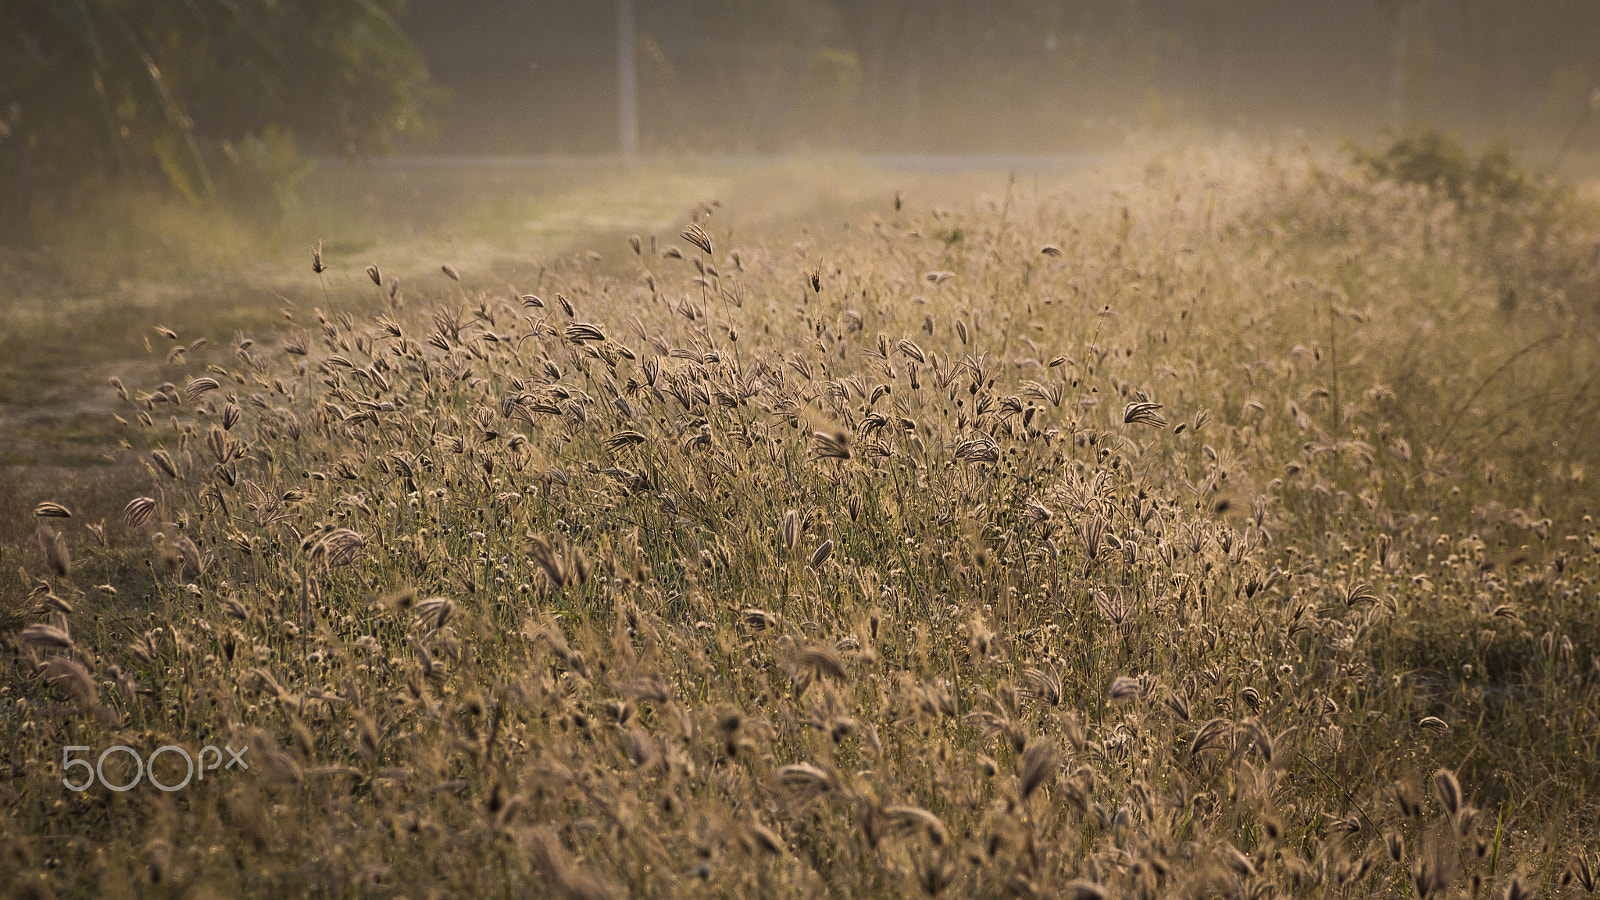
{"x": 1219, "y": 531}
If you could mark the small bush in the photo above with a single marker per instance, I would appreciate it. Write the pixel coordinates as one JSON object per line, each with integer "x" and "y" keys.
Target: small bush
{"x": 1526, "y": 231}
{"x": 1440, "y": 162}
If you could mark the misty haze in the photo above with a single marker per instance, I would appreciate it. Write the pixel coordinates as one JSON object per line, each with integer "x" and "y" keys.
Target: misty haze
{"x": 730, "y": 448}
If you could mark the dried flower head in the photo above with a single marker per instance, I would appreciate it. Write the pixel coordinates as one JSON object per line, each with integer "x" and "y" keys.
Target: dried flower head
{"x": 697, "y": 236}
{"x": 139, "y": 511}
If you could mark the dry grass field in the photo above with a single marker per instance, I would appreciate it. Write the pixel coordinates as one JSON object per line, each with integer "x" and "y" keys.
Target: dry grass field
{"x": 1216, "y": 526}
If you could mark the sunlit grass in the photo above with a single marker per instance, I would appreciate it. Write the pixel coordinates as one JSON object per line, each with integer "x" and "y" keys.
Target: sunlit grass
{"x": 1219, "y": 530}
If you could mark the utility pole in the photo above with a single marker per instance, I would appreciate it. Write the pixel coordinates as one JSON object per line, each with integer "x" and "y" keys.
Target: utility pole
{"x": 627, "y": 85}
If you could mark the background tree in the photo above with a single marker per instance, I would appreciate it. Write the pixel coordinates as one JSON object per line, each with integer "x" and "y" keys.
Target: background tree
{"x": 182, "y": 90}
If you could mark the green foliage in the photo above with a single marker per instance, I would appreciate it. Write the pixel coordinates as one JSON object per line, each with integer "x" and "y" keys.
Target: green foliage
{"x": 160, "y": 89}
{"x": 1524, "y": 231}
{"x": 1439, "y": 161}
{"x": 266, "y": 170}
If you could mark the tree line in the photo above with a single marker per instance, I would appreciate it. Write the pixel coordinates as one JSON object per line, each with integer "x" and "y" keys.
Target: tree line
{"x": 202, "y": 96}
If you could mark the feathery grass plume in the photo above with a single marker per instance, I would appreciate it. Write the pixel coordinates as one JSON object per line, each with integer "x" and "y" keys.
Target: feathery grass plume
{"x": 1043, "y": 685}
{"x": 163, "y": 460}
{"x": 821, "y": 660}
{"x": 275, "y": 766}
{"x": 375, "y": 275}
{"x": 546, "y": 557}
{"x": 978, "y": 448}
{"x": 1177, "y": 704}
{"x": 1110, "y": 605}
{"x": 1257, "y": 734}
{"x": 339, "y": 547}
{"x": 1465, "y": 820}
{"x": 218, "y": 443}
{"x": 805, "y": 782}
{"x": 765, "y": 839}
{"x": 909, "y": 349}
{"x": 642, "y": 750}
{"x": 578, "y": 332}
{"x": 1143, "y": 412}
{"x": 45, "y": 637}
{"x": 198, "y": 387}
{"x": 759, "y": 619}
{"x": 71, "y": 678}
{"x": 49, "y": 510}
{"x": 451, "y": 271}
{"x": 697, "y": 236}
{"x": 980, "y": 639}
{"x": 317, "y": 265}
{"x": 1092, "y": 531}
{"x": 1449, "y": 790}
{"x": 624, "y": 439}
{"x": 821, "y": 554}
{"x": 789, "y": 529}
{"x": 1002, "y": 411}
{"x": 1433, "y": 723}
{"x": 915, "y": 818}
{"x": 262, "y": 681}
{"x": 635, "y": 242}
{"x": 235, "y": 608}
{"x": 56, "y": 556}
{"x": 1037, "y": 766}
{"x": 1237, "y": 862}
{"x": 1407, "y": 797}
{"x": 1209, "y": 736}
{"x": 435, "y": 612}
{"x": 1435, "y": 868}
{"x": 652, "y": 689}
{"x": 1125, "y": 688}
{"x": 1588, "y": 873}
{"x": 1252, "y": 698}
{"x": 189, "y": 554}
{"x": 830, "y": 446}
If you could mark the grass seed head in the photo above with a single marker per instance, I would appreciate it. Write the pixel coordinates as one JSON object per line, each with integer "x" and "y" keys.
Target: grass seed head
{"x": 53, "y": 545}
{"x": 1037, "y": 766}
